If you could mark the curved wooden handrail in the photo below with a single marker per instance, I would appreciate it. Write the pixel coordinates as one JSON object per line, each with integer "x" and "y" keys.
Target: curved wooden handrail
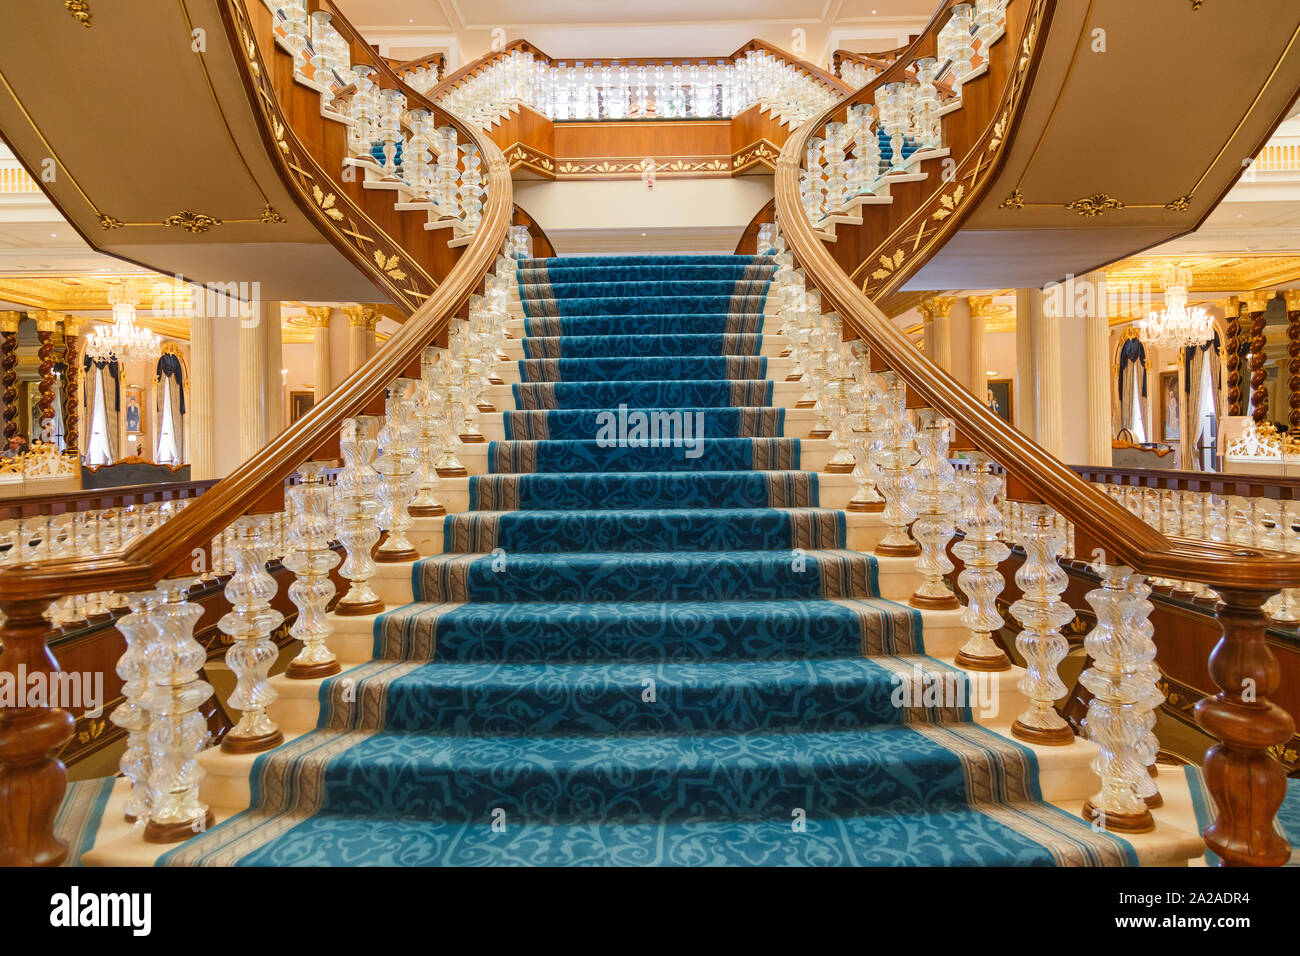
{"x": 748, "y": 243}
{"x": 169, "y": 550}
{"x": 406, "y": 66}
{"x": 1127, "y": 539}
{"x": 828, "y": 79}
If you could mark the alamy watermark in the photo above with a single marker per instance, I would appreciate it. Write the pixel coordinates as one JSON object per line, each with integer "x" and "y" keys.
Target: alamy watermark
{"x": 652, "y": 429}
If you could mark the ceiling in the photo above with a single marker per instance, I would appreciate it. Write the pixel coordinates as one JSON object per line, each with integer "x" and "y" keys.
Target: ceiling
{"x": 576, "y": 28}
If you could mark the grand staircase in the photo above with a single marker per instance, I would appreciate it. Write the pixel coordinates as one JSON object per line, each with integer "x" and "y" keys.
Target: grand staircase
{"x": 623, "y": 648}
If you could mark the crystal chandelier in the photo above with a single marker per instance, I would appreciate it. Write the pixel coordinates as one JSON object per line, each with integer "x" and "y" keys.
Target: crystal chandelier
{"x": 1177, "y": 326}
{"x": 123, "y": 341}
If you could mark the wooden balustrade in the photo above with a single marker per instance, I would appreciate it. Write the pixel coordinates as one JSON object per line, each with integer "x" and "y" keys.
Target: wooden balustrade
{"x": 32, "y": 779}
{"x": 1244, "y": 779}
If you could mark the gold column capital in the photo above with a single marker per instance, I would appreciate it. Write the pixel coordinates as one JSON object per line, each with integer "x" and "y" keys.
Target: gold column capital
{"x": 47, "y": 321}
{"x": 1230, "y": 306}
{"x": 320, "y": 316}
{"x": 372, "y": 319}
{"x": 941, "y": 306}
{"x": 356, "y": 315}
{"x": 9, "y": 321}
{"x": 1292, "y": 297}
{"x": 980, "y": 305}
{"x": 1258, "y": 301}
{"x": 71, "y": 326}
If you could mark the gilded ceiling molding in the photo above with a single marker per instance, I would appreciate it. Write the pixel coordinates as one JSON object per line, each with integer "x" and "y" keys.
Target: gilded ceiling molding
{"x": 80, "y": 11}
{"x": 1094, "y": 205}
{"x": 192, "y": 222}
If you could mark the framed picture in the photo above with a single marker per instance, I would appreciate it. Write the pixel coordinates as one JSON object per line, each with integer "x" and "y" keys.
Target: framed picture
{"x": 133, "y": 409}
{"x": 1000, "y": 399}
{"x": 1169, "y": 407}
{"x": 300, "y": 404}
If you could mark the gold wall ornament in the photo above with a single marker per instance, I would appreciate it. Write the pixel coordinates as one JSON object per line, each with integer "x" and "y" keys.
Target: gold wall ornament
{"x": 1015, "y": 201}
{"x": 269, "y": 215}
{"x": 1180, "y": 204}
{"x": 107, "y": 222}
{"x": 192, "y": 222}
{"x": 1094, "y": 205}
{"x": 80, "y": 11}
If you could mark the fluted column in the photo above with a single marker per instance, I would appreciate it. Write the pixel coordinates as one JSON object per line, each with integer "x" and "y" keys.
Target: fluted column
{"x": 71, "y": 385}
{"x": 252, "y": 381}
{"x": 1232, "y": 355}
{"x": 980, "y": 305}
{"x": 273, "y": 329}
{"x": 1029, "y": 304}
{"x": 200, "y": 403}
{"x": 372, "y": 325}
{"x": 9, "y": 369}
{"x": 941, "y": 310}
{"x": 1047, "y": 362}
{"x": 1292, "y": 297}
{"x": 1096, "y": 357}
{"x": 320, "y": 340}
{"x": 1257, "y": 306}
{"x": 357, "y": 315}
{"x": 47, "y": 323}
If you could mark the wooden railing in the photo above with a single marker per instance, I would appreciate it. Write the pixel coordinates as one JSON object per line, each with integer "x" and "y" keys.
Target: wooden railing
{"x": 1246, "y": 782}
{"x": 32, "y": 780}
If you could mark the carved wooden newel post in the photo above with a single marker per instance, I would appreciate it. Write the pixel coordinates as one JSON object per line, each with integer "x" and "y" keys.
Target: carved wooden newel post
{"x": 71, "y": 378}
{"x": 9, "y": 371}
{"x": 46, "y": 325}
{"x": 32, "y": 778}
{"x": 1292, "y": 297}
{"x": 1232, "y": 355}
{"x": 1257, "y": 304}
{"x": 1247, "y": 783}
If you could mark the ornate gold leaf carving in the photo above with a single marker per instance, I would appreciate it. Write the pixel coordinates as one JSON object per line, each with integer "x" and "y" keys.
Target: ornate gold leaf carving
{"x": 269, "y": 215}
{"x": 1015, "y": 201}
{"x": 949, "y": 203}
{"x": 889, "y": 265}
{"x": 1180, "y": 204}
{"x": 80, "y": 11}
{"x": 1094, "y": 205}
{"x": 107, "y": 222}
{"x": 390, "y": 265}
{"x": 326, "y": 202}
{"x": 192, "y": 222}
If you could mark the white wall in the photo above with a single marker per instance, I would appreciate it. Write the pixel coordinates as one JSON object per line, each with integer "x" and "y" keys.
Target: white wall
{"x": 591, "y": 217}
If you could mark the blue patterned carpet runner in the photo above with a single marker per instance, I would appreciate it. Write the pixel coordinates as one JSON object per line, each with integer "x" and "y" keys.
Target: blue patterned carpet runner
{"x": 645, "y": 642}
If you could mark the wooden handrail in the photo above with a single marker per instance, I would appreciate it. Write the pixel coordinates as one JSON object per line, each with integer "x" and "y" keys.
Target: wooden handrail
{"x": 1276, "y": 487}
{"x": 406, "y": 66}
{"x": 30, "y": 506}
{"x": 1247, "y": 783}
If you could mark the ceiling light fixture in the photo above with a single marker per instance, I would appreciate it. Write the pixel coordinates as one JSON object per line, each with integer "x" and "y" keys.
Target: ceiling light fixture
{"x": 123, "y": 341}
{"x": 1177, "y": 326}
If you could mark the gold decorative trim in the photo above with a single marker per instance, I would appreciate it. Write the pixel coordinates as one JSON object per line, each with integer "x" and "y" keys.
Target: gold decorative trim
{"x": 269, "y": 215}
{"x": 520, "y": 155}
{"x": 631, "y": 168}
{"x": 80, "y": 11}
{"x": 760, "y": 153}
{"x": 1180, "y": 204}
{"x": 192, "y": 222}
{"x": 1094, "y": 205}
{"x": 1015, "y": 201}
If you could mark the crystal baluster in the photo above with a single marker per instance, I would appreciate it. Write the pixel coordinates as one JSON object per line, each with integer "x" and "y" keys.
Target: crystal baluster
{"x": 935, "y": 500}
{"x": 309, "y": 556}
{"x": 893, "y": 462}
{"x": 356, "y": 510}
{"x": 981, "y": 553}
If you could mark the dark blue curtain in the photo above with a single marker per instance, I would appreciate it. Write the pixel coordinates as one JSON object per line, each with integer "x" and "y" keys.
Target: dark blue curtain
{"x": 169, "y": 366}
{"x": 1132, "y": 351}
{"x": 112, "y": 370}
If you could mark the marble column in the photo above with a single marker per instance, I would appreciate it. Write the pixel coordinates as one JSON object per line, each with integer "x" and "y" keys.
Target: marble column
{"x": 9, "y": 368}
{"x": 372, "y": 326}
{"x": 273, "y": 329}
{"x": 47, "y": 323}
{"x": 200, "y": 405}
{"x": 980, "y": 306}
{"x": 252, "y": 380}
{"x": 1093, "y": 303}
{"x": 357, "y": 315}
{"x": 1029, "y": 305}
{"x": 941, "y": 311}
{"x": 1047, "y": 363}
{"x": 320, "y": 341}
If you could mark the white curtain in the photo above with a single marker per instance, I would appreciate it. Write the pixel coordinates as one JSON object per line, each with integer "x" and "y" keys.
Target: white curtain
{"x": 1130, "y": 403}
{"x": 169, "y": 450}
{"x": 1195, "y": 408}
{"x": 99, "y": 449}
